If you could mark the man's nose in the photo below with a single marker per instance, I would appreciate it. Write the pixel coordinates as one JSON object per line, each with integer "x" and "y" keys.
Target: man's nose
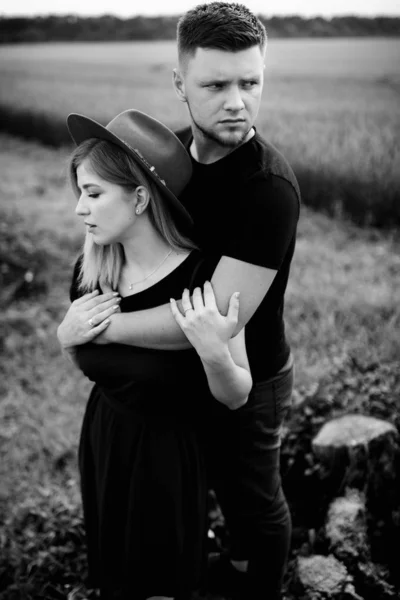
{"x": 81, "y": 208}
{"x": 234, "y": 101}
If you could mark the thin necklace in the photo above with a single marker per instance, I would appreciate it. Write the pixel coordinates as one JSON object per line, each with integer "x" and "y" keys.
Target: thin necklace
{"x": 152, "y": 273}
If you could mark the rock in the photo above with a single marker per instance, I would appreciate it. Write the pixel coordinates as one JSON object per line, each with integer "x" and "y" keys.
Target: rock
{"x": 374, "y": 579}
{"x": 350, "y": 432}
{"x": 322, "y": 576}
{"x": 346, "y": 527}
{"x": 358, "y": 452}
{"x": 346, "y": 532}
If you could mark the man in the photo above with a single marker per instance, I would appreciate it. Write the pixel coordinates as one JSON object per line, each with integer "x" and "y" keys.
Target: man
{"x": 244, "y": 200}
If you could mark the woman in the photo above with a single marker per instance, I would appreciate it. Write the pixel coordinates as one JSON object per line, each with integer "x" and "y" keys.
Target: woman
{"x": 141, "y": 456}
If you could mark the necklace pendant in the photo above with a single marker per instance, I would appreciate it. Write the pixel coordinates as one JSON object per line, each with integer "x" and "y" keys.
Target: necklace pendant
{"x": 150, "y": 274}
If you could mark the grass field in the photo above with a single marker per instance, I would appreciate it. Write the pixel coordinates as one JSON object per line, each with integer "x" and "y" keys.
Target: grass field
{"x": 342, "y": 302}
{"x": 331, "y": 106}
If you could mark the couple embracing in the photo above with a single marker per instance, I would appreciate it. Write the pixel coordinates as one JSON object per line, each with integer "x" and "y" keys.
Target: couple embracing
{"x": 177, "y": 317}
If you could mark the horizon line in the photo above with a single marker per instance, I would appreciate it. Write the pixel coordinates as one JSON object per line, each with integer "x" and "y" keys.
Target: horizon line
{"x": 164, "y": 15}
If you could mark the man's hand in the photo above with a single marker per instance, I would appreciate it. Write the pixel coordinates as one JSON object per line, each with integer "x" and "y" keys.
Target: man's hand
{"x": 86, "y": 318}
{"x": 206, "y": 328}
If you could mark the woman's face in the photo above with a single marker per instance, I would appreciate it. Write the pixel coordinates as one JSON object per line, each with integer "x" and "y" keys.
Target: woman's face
{"x": 107, "y": 209}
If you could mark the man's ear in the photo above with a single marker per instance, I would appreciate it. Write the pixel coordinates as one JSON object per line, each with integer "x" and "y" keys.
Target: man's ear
{"x": 179, "y": 85}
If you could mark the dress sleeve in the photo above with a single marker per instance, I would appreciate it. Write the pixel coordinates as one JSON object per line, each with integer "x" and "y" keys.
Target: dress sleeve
{"x": 74, "y": 292}
{"x": 268, "y": 221}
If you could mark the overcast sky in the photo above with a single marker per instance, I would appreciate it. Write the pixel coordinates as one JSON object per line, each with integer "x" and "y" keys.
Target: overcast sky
{"x": 126, "y": 8}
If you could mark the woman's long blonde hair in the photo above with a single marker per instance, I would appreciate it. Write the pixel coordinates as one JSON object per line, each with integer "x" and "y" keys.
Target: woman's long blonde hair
{"x": 101, "y": 265}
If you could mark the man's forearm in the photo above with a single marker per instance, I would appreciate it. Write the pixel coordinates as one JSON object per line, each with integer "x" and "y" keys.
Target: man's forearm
{"x": 153, "y": 328}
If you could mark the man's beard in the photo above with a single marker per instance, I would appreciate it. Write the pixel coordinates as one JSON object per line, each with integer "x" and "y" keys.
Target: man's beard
{"x": 210, "y": 135}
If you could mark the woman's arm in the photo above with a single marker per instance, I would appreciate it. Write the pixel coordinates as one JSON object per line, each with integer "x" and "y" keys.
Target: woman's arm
{"x": 224, "y": 359}
{"x": 229, "y": 377}
{"x": 86, "y": 318}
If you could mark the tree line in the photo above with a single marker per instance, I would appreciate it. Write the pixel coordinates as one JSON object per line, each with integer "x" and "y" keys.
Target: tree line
{"x": 53, "y": 28}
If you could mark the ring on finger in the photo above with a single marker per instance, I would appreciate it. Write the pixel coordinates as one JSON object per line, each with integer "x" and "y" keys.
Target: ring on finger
{"x": 185, "y": 311}
{"x": 91, "y": 322}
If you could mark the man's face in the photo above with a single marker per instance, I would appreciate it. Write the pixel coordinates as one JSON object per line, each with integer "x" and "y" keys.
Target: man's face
{"x": 223, "y": 92}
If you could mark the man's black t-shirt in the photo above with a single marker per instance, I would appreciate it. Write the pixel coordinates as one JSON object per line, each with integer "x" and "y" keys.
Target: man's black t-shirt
{"x": 246, "y": 206}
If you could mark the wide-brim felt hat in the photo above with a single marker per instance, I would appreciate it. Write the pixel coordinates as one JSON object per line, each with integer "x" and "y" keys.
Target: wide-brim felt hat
{"x": 151, "y": 144}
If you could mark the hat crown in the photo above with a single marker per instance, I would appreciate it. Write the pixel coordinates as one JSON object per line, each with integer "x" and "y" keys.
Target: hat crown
{"x": 158, "y": 147}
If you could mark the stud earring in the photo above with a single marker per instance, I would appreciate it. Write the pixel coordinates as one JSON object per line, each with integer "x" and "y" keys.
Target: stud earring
{"x": 137, "y": 211}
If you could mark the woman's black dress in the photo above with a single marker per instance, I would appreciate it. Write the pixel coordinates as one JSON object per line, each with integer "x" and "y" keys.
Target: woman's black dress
{"x": 141, "y": 459}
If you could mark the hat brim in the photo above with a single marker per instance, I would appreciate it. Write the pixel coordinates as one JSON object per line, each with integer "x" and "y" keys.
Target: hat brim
{"x": 83, "y": 128}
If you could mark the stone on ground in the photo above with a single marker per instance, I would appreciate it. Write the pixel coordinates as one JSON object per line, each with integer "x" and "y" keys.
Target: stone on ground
{"x": 350, "y": 432}
{"x": 324, "y": 576}
{"x": 346, "y": 527}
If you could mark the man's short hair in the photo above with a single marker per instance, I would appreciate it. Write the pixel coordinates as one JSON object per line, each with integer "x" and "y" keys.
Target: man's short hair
{"x": 219, "y": 25}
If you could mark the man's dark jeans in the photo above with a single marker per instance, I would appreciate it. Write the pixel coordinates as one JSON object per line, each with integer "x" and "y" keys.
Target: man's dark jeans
{"x": 244, "y": 472}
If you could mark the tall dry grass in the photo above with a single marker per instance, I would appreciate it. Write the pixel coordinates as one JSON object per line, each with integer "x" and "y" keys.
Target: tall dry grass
{"x": 331, "y": 106}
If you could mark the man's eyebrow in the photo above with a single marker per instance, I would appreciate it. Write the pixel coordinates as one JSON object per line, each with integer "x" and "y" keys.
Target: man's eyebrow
{"x": 251, "y": 78}
{"x": 221, "y": 80}
{"x": 214, "y": 79}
